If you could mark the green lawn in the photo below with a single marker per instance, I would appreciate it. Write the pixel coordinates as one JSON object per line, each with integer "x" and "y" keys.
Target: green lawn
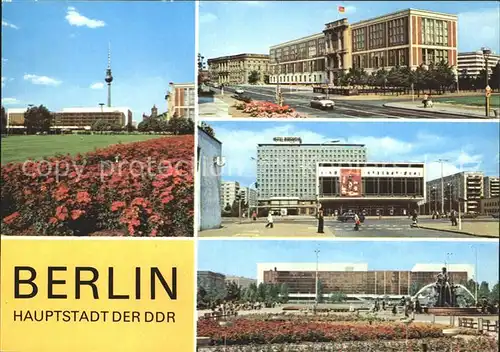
{"x": 471, "y": 100}
{"x": 21, "y": 148}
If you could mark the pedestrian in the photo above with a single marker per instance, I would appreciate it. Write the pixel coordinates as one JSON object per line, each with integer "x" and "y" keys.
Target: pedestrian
{"x": 394, "y": 309}
{"x": 453, "y": 218}
{"x": 383, "y": 304}
{"x": 254, "y": 216}
{"x": 321, "y": 222}
{"x": 270, "y": 220}
{"x": 356, "y": 222}
{"x": 425, "y": 101}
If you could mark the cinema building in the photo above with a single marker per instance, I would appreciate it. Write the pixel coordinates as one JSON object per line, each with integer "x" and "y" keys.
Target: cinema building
{"x": 405, "y": 38}
{"x": 374, "y": 188}
{"x": 75, "y": 118}
{"x": 356, "y": 280}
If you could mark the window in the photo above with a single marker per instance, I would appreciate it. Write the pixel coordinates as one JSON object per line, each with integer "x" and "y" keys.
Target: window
{"x": 359, "y": 39}
{"x": 434, "y": 32}
{"x": 376, "y": 34}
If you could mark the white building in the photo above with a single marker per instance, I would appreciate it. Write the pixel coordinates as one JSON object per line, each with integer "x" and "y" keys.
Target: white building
{"x": 468, "y": 185}
{"x": 249, "y": 196}
{"x": 229, "y": 192}
{"x": 472, "y": 63}
{"x": 491, "y": 186}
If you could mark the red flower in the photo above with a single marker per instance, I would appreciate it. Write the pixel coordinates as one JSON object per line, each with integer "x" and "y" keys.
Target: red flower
{"x": 11, "y": 218}
{"x": 75, "y": 214}
{"x": 117, "y": 206}
{"x": 61, "y": 213}
{"x": 83, "y": 197}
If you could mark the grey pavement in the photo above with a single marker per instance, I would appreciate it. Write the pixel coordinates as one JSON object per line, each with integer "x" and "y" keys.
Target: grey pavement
{"x": 445, "y": 109}
{"x": 213, "y": 107}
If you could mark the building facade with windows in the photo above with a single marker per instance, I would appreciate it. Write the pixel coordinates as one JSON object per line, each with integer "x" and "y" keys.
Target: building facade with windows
{"x": 181, "y": 100}
{"x": 468, "y": 186}
{"x": 210, "y": 280}
{"x": 286, "y": 172}
{"x": 356, "y": 280}
{"x": 490, "y": 206}
{"x": 229, "y": 193}
{"x": 235, "y": 69}
{"x": 491, "y": 186}
{"x": 471, "y": 63}
{"x": 373, "y": 188}
{"x": 249, "y": 196}
{"x": 405, "y": 38}
{"x": 75, "y": 118}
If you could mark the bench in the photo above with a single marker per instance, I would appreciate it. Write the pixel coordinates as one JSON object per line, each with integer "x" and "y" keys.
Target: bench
{"x": 490, "y": 325}
{"x": 467, "y": 323}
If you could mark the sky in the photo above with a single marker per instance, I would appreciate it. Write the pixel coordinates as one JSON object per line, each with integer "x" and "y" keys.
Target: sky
{"x": 467, "y": 146}
{"x": 241, "y": 256}
{"x": 228, "y": 28}
{"x": 56, "y": 53}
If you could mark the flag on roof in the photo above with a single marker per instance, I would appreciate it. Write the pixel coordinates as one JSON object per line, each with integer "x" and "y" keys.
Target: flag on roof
{"x": 341, "y": 9}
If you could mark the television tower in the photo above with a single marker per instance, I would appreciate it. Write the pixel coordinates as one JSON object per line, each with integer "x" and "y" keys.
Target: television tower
{"x": 109, "y": 77}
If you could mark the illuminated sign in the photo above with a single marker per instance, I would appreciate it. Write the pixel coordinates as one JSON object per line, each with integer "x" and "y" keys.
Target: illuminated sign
{"x": 97, "y": 295}
{"x": 350, "y": 182}
{"x": 295, "y": 140}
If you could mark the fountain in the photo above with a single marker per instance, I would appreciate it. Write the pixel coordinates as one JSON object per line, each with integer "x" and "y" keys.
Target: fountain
{"x": 444, "y": 298}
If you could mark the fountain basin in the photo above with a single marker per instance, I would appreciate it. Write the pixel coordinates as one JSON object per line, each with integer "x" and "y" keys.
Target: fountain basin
{"x": 451, "y": 332}
{"x": 453, "y": 311}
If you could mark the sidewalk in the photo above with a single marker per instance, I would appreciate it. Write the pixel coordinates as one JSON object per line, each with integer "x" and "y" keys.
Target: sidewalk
{"x": 217, "y": 108}
{"x": 477, "y": 228}
{"x": 259, "y": 230}
{"x": 440, "y": 108}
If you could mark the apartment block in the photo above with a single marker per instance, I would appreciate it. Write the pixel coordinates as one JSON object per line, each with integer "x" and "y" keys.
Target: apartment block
{"x": 471, "y": 63}
{"x": 236, "y": 69}
{"x": 229, "y": 193}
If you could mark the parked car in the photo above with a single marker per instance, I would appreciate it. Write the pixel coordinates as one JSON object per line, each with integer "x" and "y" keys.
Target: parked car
{"x": 239, "y": 91}
{"x": 495, "y": 216}
{"x": 345, "y": 217}
{"x": 470, "y": 215}
{"x": 322, "y": 103}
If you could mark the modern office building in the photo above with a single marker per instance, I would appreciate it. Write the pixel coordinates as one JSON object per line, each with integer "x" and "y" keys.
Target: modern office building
{"x": 208, "y": 181}
{"x": 405, "y": 38}
{"x": 249, "y": 196}
{"x": 375, "y": 188}
{"x": 229, "y": 193}
{"x": 471, "y": 63}
{"x": 75, "y": 118}
{"x": 490, "y": 206}
{"x": 356, "y": 280}
{"x": 491, "y": 186}
{"x": 181, "y": 100}
{"x": 236, "y": 69}
{"x": 210, "y": 280}
{"x": 468, "y": 186}
{"x": 241, "y": 281}
{"x": 286, "y": 172}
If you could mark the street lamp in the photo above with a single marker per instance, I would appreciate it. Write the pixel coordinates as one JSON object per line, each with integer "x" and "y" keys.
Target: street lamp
{"x": 434, "y": 195}
{"x": 450, "y": 195}
{"x": 486, "y": 55}
{"x": 447, "y": 263}
{"x": 442, "y": 184}
{"x": 476, "y": 282}
{"x": 316, "y": 300}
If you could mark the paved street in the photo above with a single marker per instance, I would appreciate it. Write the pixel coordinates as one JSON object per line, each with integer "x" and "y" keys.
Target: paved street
{"x": 398, "y": 227}
{"x": 358, "y": 108}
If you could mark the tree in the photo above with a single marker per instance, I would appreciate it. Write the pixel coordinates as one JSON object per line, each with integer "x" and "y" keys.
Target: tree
{"x": 207, "y": 128}
{"x": 284, "y": 294}
{"x": 181, "y": 125}
{"x": 130, "y": 127}
{"x": 254, "y": 77}
{"x": 3, "y": 121}
{"x": 471, "y": 286}
{"x": 227, "y": 208}
{"x": 415, "y": 287}
{"x": 101, "y": 125}
{"x": 235, "y": 209}
{"x": 494, "y": 294}
{"x": 495, "y": 77}
{"x": 319, "y": 292}
{"x": 150, "y": 124}
{"x": 233, "y": 291}
{"x": 261, "y": 292}
{"x": 38, "y": 119}
{"x": 251, "y": 292}
{"x": 484, "y": 290}
{"x": 337, "y": 297}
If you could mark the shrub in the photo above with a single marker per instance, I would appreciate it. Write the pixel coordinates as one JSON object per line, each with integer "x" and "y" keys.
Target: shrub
{"x": 141, "y": 189}
{"x": 267, "y": 109}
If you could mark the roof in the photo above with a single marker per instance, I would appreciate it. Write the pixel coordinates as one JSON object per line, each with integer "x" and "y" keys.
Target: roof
{"x": 239, "y": 56}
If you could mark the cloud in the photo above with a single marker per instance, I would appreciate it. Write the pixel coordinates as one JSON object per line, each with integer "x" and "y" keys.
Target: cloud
{"x": 254, "y": 3}
{"x": 207, "y": 17}
{"x": 10, "y": 25}
{"x": 42, "y": 80}
{"x": 78, "y": 20}
{"x": 4, "y": 59}
{"x": 479, "y": 28}
{"x": 6, "y": 0}
{"x": 10, "y": 101}
{"x": 97, "y": 85}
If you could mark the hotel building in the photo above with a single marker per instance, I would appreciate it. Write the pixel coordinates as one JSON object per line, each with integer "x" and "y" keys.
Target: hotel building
{"x": 471, "y": 63}
{"x": 236, "y": 69}
{"x": 356, "y": 280}
{"x": 491, "y": 186}
{"x": 405, "y": 38}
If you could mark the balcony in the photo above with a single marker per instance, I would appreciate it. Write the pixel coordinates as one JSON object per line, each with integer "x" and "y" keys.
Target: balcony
{"x": 334, "y": 51}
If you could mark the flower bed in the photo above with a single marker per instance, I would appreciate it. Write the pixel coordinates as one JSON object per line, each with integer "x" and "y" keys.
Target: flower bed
{"x": 246, "y": 331}
{"x": 314, "y": 318}
{"x": 482, "y": 344}
{"x": 136, "y": 189}
{"x": 267, "y": 109}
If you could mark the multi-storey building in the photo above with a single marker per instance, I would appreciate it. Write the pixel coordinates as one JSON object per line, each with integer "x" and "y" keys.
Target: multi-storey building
{"x": 229, "y": 193}
{"x": 181, "y": 100}
{"x": 405, "y": 38}
{"x": 249, "y": 196}
{"x": 211, "y": 281}
{"x": 491, "y": 186}
{"x": 286, "y": 171}
{"x": 471, "y": 63}
{"x": 490, "y": 206}
{"x": 75, "y": 118}
{"x": 236, "y": 69}
{"x": 374, "y": 188}
{"x": 355, "y": 280}
{"x": 241, "y": 281}
{"x": 467, "y": 186}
